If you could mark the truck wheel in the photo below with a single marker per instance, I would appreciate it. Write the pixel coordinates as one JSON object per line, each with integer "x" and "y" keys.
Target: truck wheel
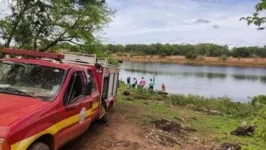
{"x": 107, "y": 117}
{"x": 39, "y": 146}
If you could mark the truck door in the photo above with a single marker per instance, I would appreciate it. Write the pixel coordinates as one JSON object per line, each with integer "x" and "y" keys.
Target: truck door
{"x": 92, "y": 96}
{"x": 74, "y": 113}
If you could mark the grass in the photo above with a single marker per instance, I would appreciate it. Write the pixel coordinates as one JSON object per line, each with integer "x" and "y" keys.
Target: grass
{"x": 188, "y": 110}
{"x": 223, "y": 105}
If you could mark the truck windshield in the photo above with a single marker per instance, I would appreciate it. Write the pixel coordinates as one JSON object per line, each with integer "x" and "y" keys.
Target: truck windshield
{"x": 30, "y": 80}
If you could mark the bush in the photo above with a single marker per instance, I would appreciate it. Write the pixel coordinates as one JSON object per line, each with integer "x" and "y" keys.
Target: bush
{"x": 258, "y": 100}
{"x": 255, "y": 57}
{"x": 163, "y": 55}
{"x": 259, "y": 120}
{"x": 224, "y": 105}
{"x": 191, "y": 56}
{"x": 119, "y": 54}
{"x": 223, "y": 57}
{"x": 112, "y": 61}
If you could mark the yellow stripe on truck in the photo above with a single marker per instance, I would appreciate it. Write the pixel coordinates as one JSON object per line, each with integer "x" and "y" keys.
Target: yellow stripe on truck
{"x": 24, "y": 144}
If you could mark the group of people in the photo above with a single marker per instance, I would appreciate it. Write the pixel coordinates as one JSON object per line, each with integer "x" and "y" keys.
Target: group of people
{"x": 142, "y": 83}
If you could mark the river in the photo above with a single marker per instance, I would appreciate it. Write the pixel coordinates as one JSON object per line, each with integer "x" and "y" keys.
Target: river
{"x": 237, "y": 83}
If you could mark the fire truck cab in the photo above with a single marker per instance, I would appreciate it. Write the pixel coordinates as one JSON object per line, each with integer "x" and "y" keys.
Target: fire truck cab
{"x": 47, "y": 99}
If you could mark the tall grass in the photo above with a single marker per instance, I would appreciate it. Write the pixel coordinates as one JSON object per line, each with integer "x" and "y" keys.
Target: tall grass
{"x": 224, "y": 104}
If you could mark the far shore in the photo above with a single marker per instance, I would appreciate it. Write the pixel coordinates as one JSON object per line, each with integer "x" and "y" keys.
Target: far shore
{"x": 241, "y": 62}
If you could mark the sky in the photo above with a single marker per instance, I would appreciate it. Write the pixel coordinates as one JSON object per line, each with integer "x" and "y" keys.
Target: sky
{"x": 182, "y": 21}
{"x": 179, "y": 21}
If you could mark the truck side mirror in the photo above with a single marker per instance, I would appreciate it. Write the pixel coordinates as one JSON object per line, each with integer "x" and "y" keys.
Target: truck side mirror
{"x": 89, "y": 87}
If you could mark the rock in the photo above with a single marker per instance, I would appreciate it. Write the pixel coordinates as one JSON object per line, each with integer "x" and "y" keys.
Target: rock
{"x": 230, "y": 146}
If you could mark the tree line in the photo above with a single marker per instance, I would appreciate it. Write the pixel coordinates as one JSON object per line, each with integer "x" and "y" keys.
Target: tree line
{"x": 71, "y": 24}
{"x": 212, "y": 50}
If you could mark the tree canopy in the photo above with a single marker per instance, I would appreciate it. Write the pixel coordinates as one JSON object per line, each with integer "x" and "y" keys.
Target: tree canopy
{"x": 256, "y": 18}
{"x": 42, "y": 25}
{"x": 204, "y": 49}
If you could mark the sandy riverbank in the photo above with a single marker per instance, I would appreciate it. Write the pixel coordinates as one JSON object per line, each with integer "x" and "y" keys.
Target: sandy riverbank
{"x": 243, "y": 62}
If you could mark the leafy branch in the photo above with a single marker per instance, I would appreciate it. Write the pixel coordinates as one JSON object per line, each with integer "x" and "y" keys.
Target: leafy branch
{"x": 256, "y": 18}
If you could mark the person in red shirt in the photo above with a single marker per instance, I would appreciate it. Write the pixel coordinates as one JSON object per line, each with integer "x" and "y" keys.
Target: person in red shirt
{"x": 142, "y": 83}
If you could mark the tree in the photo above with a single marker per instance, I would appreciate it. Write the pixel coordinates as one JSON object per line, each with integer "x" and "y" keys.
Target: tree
{"x": 41, "y": 25}
{"x": 256, "y": 19}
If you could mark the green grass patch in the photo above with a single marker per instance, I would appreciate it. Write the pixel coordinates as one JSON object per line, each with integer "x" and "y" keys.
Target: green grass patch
{"x": 188, "y": 110}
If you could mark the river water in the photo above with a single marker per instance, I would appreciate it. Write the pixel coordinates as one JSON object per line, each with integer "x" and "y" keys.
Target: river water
{"x": 237, "y": 83}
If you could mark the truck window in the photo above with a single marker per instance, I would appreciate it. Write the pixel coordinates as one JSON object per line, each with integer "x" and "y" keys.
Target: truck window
{"x": 93, "y": 87}
{"x": 75, "y": 88}
{"x": 36, "y": 80}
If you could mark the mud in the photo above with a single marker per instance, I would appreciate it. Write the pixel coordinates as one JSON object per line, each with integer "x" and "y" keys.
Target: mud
{"x": 171, "y": 126}
{"x": 230, "y": 146}
{"x": 244, "y": 131}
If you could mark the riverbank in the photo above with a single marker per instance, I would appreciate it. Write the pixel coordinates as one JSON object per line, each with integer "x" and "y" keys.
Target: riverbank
{"x": 145, "y": 120}
{"x": 210, "y": 120}
{"x": 241, "y": 62}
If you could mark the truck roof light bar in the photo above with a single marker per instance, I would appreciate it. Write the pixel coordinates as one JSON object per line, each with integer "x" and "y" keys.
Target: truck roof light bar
{"x": 34, "y": 54}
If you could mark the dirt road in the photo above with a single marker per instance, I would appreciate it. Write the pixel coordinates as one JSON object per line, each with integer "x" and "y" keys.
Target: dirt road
{"x": 122, "y": 133}
{"x": 127, "y": 132}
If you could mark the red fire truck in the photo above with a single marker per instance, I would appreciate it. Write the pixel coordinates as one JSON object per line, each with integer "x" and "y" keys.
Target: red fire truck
{"x": 48, "y": 99}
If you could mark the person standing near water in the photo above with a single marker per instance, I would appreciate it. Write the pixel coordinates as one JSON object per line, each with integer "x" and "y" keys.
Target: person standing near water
{"x": 135, "y": 82}
{"x": 142, "y": 83}
{"x": 163, "y": 87}
{"x": 151, "y": 85}
{"x": 128, "y": 81}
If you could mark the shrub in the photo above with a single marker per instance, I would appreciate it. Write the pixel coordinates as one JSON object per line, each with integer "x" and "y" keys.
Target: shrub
{"x": 163, "y": 55}
{"x": 224, "y": 105}
{"x": 260, "y": 121}
{"x": 112, "y": 61}
{"x": 255, "y": 57}
{"x": 119, "y": 54}
{"x": 223, "y": 57}
{"x": 258, "y": 100}
{"x": 191, "y": 56}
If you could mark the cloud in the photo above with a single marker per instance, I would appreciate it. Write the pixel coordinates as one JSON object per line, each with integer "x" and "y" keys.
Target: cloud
{"x": 215, "y": 26}
{"x": 182, "y": 21}
{"x": 4, "y": 11}
{"x": 200, "y": 21}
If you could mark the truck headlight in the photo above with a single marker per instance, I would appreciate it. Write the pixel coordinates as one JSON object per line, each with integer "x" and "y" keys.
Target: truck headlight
{"x": 4, "y": 145}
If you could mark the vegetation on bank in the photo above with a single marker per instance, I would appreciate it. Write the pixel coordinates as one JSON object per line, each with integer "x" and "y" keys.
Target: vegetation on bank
{"x": 188, "y": 50}
{"x": 214, "y": 118}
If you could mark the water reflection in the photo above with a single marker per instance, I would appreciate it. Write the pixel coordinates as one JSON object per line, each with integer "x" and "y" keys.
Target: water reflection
{"x": 218, "y": 81}
{"x": 208, "y": 75}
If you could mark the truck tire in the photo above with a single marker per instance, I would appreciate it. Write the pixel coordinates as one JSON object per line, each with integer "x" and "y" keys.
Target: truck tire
{"x": 107, "y": 117}
{"x": 39, "y": 146}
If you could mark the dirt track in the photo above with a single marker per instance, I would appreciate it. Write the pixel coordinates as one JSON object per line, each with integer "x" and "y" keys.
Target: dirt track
{"x": 122, "y": 133}
{"x": 125, "y": 132}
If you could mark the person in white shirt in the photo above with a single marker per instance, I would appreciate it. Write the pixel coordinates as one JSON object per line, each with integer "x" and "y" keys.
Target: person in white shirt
{"x": 135, "y": 82}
